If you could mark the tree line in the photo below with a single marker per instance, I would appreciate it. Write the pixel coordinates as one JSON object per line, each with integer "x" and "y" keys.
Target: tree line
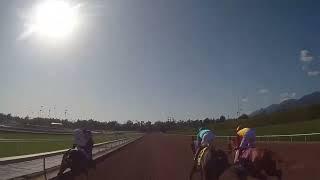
{"x": 293, "y": 115}
{"x": 129, "y": 125}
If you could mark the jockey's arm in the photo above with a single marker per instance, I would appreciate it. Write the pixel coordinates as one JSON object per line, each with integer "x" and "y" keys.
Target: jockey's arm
{"x": 238, "y": 141}
{"x": 243, "y": 143}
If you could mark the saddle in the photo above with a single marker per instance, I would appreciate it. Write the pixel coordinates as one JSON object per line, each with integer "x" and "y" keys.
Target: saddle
{"x": 200, "y": 155}
{"x": 247, "y": 155}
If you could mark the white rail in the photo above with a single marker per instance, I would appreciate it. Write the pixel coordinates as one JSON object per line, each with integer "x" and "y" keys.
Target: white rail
{"x": 302, "y": 137}
{"x": 22, "y": 158}
{"x": 290, "y": 135}
{"x": 306, "y": 137}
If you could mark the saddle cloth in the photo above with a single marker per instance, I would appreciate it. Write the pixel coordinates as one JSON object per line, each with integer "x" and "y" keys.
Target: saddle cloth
{"x": 247, "y": 154}
{"x": 200, "y": 155}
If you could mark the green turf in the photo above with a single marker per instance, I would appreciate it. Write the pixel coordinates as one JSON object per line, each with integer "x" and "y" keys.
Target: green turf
{"x": 291, "y": 128}
{"x": 15, "y": 135}
{"x": 287, "y": 128}
{"x": 45, "y": 142}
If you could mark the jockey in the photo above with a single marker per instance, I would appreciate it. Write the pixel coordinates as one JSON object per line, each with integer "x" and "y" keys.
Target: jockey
{"x": 205, "y": 138}
{"x": 247, "y": 139}
{"x": 83, "y": 142}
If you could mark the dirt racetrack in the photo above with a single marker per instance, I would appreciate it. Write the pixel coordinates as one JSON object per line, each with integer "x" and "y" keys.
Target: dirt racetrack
{"x": 168, "y": 157}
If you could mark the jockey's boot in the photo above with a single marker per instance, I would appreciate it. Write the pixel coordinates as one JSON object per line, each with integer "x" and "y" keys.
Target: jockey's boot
{"x": 236, "y": 157}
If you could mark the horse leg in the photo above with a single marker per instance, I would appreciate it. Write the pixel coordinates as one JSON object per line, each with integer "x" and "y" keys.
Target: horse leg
{"x": 259, "y": 176}
{"x": 87, "y": 174}
{"x": 274, "y": 172}
{"x": 202, "y": 174}
{"x": 239, "y": 174}
{"x": 63, "y": 167}
{"x": 192, "y": 172}
{"x": 61, "y": 170}
{"x": 279, "y": 174}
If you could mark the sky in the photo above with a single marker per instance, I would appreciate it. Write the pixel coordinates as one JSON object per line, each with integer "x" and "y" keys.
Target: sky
{"x": 151, "y": 59}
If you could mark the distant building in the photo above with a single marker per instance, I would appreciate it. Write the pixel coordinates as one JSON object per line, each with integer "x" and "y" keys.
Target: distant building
{"x": 56, "y": 124}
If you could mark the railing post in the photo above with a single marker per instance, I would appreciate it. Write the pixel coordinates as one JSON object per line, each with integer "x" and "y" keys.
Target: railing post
{"x": 305, "y": 138}
{"x": 44, "y": 167}
{"x": 290, "y": 138}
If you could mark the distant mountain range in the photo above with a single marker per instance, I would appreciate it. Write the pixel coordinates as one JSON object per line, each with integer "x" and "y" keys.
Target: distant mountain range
{"x": 307, "y": 100}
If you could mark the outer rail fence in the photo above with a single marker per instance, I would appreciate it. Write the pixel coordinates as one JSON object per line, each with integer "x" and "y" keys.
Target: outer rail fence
{"x": 21, "y": 167}
{"x": 306, "y": 138}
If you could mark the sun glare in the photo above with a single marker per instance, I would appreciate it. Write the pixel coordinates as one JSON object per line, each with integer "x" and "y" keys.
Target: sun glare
{"x": 54, "y": 18}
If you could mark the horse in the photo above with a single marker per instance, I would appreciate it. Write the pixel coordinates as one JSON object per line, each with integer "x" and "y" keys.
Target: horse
{"x": 76, "y": 161}
{"x": 212, "y": 163}
{"x": 260, "y": 160}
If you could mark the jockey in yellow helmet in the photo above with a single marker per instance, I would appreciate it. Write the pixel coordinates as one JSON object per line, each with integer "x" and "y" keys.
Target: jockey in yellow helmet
{"x": 247, "y": 139}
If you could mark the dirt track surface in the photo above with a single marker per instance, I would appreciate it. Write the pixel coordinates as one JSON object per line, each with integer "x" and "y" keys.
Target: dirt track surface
{"x": 168, "y": 157}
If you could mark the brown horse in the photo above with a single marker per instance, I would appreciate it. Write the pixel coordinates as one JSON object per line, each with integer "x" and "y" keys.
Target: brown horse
{"x": 260, "y": 160}
{"x": 212, "y": 163}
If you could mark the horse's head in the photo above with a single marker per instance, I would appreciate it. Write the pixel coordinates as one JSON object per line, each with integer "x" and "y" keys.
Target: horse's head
{"x": 233, "y": 144}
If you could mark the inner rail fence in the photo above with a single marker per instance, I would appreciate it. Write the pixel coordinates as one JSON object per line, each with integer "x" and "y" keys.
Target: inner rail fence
{"x": 24, "y": 166}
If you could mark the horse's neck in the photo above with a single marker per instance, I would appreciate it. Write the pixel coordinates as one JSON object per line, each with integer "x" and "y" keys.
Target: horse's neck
{"x": 235, "y": 142}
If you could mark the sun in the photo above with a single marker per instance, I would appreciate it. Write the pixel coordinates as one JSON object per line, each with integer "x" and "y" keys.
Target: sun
{"x": 54, "y": 18}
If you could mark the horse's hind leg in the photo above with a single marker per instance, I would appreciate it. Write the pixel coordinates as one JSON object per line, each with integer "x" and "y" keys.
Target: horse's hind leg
{"x": 260, "y": 176}
{"x": 192, "y": 172}
{"x": 273, "y": 171}
{"x": 241, "y": 175}
{"x": 63, "y": 167}
{"x": 279, "y": 174}
{"x": 203, "y": 174}
{"x": 87, "y": 174}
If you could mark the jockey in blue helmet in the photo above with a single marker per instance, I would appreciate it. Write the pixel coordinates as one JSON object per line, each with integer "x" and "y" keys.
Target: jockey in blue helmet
{"x": 205, "y": 138}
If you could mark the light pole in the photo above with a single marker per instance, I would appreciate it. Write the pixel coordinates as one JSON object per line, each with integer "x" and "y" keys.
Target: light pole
{"x": 65, "y": 113}
{"x": 238, "y": 108}
{"x": 40, "y": 112}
